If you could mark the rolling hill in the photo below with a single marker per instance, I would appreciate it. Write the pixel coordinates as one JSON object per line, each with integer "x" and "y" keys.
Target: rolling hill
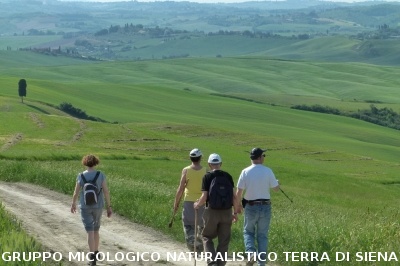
{"x": 310, "y": 30}
{"x": 336, "y": 169}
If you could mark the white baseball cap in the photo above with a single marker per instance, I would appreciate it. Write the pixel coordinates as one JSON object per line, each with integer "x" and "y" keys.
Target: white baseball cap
{"x": 214, "y": 159}
{"x": 195, "y": 153}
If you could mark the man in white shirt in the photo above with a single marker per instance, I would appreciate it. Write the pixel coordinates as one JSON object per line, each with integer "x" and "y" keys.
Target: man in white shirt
{"x": 256, "y": 180}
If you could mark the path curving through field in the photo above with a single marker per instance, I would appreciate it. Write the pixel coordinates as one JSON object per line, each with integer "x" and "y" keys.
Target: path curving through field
{"x": 45, "y": 215}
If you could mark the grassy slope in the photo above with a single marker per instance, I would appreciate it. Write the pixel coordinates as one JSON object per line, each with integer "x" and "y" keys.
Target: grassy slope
{"x": 13, "y": 239}
{"x": 325, "y": 48}
{"x": 336, "y": 169}
{"x": 270, "y": 81}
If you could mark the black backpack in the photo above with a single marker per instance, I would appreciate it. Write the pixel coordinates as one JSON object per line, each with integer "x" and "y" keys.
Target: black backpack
{"x": 90, "y": 190}
{"x": 220, "y": 194}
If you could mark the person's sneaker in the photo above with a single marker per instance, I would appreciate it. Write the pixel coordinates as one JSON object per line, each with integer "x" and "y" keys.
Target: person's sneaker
{"x": 92, "y": 261}
{"x": 95, "y": 257}
{"x": 251, "y": 262}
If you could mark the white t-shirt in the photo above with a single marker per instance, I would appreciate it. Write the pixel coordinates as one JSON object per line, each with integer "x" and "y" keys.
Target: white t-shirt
{"x": 257, "y": 180}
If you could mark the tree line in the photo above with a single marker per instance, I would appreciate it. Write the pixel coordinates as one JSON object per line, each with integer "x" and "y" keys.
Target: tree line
{"x": 76, "y": 112}
{"x": 384, "y": 117}
{"x": 165, "y": 32}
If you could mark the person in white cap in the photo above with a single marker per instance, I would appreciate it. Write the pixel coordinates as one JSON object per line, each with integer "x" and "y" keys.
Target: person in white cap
{"x": 256, "y": 180}
{"x": 219, "y": 197}
{"x": 190, "y": 185}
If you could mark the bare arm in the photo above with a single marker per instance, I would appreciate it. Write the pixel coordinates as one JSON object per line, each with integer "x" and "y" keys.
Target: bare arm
{"x": 237, "y": 203}
{"x": 236, "y": 209}
{"x": 75, "y": 197}
{"x": 239, "y": 195}
{"x": 203, "y": 199}
{"x": 106, "y": 193}
{"x": 180, "y": 190}
{"x": 277, "y": 188}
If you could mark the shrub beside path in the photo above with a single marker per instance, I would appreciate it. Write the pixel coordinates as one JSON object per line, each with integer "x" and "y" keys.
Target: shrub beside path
{"x": 45, "y": 215}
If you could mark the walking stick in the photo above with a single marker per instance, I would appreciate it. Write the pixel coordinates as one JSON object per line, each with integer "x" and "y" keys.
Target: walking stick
{"x": 195, "y": 235}
{"x": 172, "y": 219}
{"x": 174, "y": 213}
{"x": 286, "y": 195}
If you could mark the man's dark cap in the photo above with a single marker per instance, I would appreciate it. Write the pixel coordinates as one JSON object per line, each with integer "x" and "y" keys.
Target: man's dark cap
{"x": 256, "y": 152}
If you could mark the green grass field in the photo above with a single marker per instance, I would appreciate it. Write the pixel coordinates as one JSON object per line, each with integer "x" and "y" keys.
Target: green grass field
{"x": 342, "y": 173}
{"x": 14, "y": 239}
{"x": 324, "y": 48}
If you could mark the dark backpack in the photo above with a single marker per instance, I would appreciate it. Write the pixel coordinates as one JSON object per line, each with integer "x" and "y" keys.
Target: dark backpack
{"x": 90, "y": 190}
{"x": 220, "y": 194}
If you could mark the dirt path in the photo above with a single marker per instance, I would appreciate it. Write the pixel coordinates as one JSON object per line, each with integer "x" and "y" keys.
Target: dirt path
{"x": 46, "y": 216}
